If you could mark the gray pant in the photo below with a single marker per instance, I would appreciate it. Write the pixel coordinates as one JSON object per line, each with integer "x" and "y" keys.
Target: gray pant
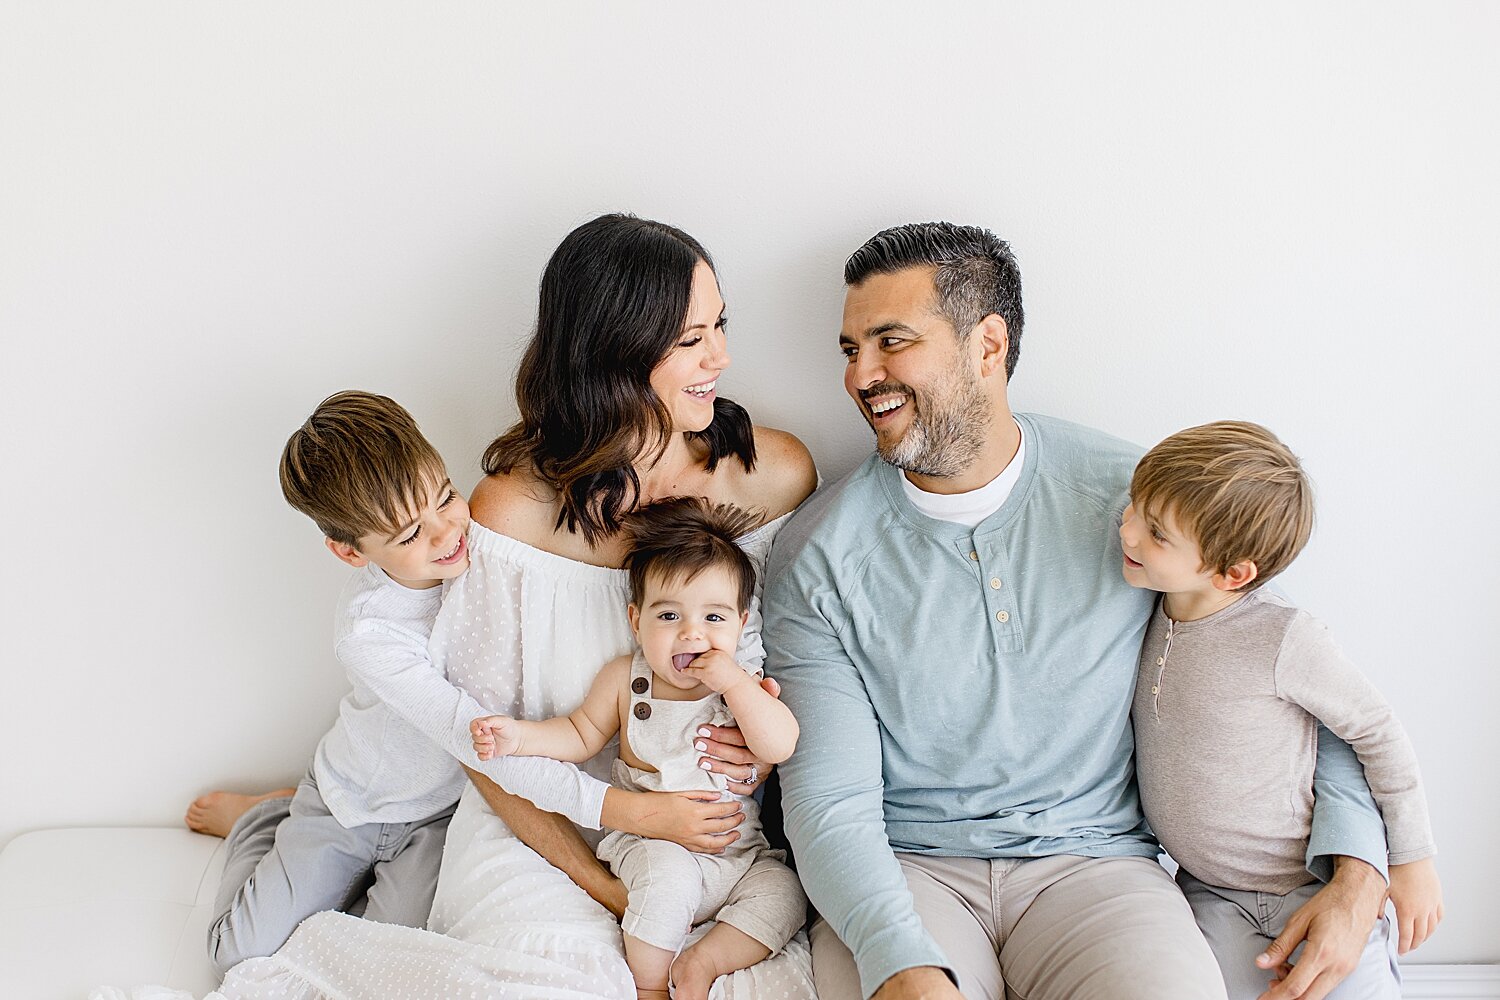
{"x": 1060, "y": 928}
{"x": 288, "y": 858}
{"x": 1239, "y": 925}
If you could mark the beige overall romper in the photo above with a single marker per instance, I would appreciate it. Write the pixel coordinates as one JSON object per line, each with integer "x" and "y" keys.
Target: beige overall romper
{"x": 671, "y": 888}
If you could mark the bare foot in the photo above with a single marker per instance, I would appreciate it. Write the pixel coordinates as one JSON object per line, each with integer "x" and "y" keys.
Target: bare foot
{"x": 692, "y": 975}
{"x": 216, "y": 812}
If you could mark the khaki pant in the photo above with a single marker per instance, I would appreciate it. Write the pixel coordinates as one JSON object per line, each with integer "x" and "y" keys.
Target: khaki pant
{"x": 1061, "y": 928}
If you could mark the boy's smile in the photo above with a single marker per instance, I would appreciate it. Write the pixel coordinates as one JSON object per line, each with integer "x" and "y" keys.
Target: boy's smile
{"x": 1160, "y": 556}
{"x": 431, "y": 547}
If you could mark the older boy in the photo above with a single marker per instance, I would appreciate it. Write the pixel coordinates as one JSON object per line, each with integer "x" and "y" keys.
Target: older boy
{"x": 365, "y": 828}
{"x": 1232, "y": 684}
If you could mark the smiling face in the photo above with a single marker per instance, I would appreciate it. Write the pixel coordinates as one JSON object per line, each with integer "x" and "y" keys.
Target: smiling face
{"x": 1159, "y": 556}
{"x": 914, "y": 380}
{"x": 679, "y": 619}
{"x": 432, "y": 546}
{"x": 686, "y": 378}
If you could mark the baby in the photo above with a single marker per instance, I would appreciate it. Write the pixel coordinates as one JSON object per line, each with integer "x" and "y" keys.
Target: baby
{"x": 690, "y": 590}
{"x": 1232, "y": 684}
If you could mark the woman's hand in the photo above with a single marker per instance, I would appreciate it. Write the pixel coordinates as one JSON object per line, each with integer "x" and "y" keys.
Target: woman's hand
{"x": 699, "y": 820}
{"x": 723, "y": 749}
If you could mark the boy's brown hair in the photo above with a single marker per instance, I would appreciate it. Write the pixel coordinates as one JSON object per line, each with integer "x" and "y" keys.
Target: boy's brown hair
{"x": 359, "y": 466}
{"x": 680, "y": 537}
{"x": 1236, "y": 489}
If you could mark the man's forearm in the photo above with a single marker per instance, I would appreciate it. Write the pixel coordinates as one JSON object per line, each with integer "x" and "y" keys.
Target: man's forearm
{"x": 1345, "y": 818}
{"x": 556, "y": 840}
{"x": 1364, "y": 883}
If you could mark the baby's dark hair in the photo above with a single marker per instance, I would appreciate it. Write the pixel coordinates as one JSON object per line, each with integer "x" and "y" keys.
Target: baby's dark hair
{"x": 680, "y": 537}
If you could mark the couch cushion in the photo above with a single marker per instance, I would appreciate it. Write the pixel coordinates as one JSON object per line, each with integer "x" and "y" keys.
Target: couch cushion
{"x": 81, "y": 908}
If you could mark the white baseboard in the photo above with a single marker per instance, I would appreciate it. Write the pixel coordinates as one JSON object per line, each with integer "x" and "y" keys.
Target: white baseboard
{"x": 1450, "y": 982}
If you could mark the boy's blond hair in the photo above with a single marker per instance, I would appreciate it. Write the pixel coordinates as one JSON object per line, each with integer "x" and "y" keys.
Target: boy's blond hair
{"x": 359, "y": 466}
{"x": 1236, "y": 489}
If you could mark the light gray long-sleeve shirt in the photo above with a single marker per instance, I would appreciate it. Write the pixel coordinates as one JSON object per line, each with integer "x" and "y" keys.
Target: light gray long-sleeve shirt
{"x": 393, "y": 755}
{"x": 966, "y": 691}
{"x": 1226, "y": 711}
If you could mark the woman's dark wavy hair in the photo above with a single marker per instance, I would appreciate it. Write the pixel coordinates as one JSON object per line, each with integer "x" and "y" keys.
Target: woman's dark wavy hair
{"x": 614, "y": 300}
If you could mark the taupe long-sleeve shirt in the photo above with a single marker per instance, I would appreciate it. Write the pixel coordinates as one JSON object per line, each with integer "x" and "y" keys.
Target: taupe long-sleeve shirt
{"x": 1225, "y": 713}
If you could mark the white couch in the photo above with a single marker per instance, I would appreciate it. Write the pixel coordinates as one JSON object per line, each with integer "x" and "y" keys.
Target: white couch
{"x": 81, "y": 908}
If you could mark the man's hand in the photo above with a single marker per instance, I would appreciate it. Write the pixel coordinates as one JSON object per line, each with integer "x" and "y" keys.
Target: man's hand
{"x": 723, "y": 749}
{"x": 1335, "y": 923}
{"x": 495, "y": 736}
{"x": 699, "y": 820}
{"x": 1419, "y": 902}
{"x": 921, "y": 983}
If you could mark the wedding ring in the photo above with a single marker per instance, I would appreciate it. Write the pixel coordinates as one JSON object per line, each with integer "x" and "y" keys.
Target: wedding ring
{"x": 754, "y": 775}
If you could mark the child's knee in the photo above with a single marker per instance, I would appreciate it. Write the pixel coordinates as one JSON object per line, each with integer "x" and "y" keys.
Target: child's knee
{"x": 237, "y": 936}
{"x": 226, "y": 949}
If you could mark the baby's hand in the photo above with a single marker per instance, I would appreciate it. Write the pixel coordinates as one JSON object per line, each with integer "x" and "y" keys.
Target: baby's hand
{"x": 495, "y": 736}
{"x": 717, "y": 670}
{"x": 1419, "y": 902}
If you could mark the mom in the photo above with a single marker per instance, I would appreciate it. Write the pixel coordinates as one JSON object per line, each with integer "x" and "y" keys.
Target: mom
{"x": 619, "y": 406}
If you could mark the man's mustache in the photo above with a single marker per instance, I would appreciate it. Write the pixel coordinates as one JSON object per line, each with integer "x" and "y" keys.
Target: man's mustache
{"x": 886, "y": 388}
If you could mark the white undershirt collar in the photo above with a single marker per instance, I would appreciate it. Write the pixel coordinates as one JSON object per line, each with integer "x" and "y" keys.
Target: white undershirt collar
{"x": 974, "y": 506}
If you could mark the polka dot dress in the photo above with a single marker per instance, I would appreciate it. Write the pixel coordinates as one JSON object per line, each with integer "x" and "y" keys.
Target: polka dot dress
{"x": 524, "y": 631}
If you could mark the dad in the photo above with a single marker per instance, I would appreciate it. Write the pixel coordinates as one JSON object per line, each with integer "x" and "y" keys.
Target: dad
{"x": 950, "y": 625}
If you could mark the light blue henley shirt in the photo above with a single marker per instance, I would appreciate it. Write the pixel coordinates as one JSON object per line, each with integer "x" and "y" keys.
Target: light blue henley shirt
{"x": 966, "y": 692}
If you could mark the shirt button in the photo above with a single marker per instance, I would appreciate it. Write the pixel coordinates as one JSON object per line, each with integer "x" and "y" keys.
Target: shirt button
{"x": 1002, "y": 616}
{"x": 639, "y": 685}
{"x": 1160, "y": 661}
{"x": 974, "y": 556}
{"x": 1155, "y": 690}
{"x": 995, "y": 583}
{"x": 642, "y": 711}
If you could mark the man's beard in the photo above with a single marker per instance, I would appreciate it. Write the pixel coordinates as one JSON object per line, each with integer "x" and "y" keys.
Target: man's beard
{"x": 946, "y": 432}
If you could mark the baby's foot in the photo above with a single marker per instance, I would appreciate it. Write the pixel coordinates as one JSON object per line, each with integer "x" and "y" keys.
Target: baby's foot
{"x": 216, "y": 812}
{"x": 692, "y": 975}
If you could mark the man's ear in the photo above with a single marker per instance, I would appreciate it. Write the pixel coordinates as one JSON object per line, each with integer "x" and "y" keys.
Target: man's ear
{"x": 345, "y": 552}
{"x": 994, "y": 344}
{"x": 1240, "y": 575}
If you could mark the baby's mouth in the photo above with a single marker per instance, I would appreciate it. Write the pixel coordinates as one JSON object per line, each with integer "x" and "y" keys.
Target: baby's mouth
{"x": 681, "y": 660}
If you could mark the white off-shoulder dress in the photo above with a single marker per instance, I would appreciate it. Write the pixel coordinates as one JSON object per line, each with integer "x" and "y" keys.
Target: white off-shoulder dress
{"x": 524, "y": 631}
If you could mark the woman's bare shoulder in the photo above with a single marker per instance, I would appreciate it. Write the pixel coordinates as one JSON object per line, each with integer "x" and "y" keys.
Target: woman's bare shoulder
{"x": 784, "y": 473}
{"x": 517, "y": 504}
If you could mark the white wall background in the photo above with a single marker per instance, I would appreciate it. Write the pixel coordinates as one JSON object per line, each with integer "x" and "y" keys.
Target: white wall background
{"x": 212, "y": 215}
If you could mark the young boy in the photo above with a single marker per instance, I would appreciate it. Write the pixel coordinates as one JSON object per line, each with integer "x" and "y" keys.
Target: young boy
{"x": 1233, "y": 681}
{"x": 690, "y": 589}
{"x": 365, "y": 828}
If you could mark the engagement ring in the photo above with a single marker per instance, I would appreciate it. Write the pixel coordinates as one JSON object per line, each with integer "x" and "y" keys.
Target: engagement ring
{"x": 754, "y": 775}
